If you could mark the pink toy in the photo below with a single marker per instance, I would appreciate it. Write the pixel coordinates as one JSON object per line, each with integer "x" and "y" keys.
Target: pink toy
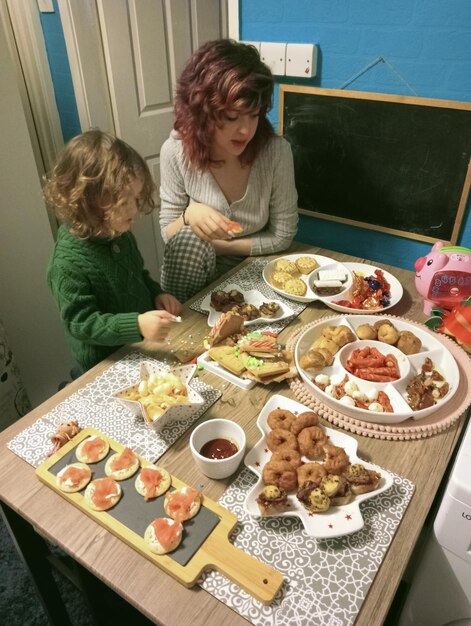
{"x": 443, "y": 277}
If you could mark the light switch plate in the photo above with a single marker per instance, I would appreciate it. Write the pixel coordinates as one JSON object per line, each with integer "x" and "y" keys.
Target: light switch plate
{"x": 301, "y": 60}
{"x": 45, "y": 6}
{"x": 274, "y": 55}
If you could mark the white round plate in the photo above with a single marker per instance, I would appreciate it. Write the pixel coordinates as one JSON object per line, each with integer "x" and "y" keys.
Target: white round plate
{"x": 338, "y": 520}
{"x": 441, "y": 358}
{"x": 324, "y": 263}
{"x": 251, "y": 297}
{"x": 366, "y": 270}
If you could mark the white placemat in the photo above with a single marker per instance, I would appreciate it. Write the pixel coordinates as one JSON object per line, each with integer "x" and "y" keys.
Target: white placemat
{"x": 326, "y": 581}
{"x": 94, "y": 407}
{"x": 250, "y": 277}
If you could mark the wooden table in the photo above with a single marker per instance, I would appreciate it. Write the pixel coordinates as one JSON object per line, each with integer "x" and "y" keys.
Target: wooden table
{"x": 424, "y": 462}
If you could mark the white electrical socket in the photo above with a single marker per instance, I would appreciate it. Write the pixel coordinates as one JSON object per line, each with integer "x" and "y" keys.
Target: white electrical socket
{"x": 301, "y": 60}
{"x": 255, "y": 44}
{"x": 274, "y": 55}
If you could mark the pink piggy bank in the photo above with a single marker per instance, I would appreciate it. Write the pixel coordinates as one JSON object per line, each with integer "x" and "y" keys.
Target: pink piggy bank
{"x": 443, "y": 277}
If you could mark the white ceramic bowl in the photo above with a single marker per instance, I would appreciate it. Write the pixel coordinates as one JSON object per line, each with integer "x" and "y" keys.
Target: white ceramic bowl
{"x": 217, "y": 429}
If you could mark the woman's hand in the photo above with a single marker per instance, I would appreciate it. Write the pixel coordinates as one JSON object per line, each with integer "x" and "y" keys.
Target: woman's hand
{"x": 169, "y": 303}
{"x": 207, "y": 223}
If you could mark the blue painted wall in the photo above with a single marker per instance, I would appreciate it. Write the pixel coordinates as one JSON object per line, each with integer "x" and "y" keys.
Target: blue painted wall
{"x": 427, "y": 46}
{"x": 60, "y": 71}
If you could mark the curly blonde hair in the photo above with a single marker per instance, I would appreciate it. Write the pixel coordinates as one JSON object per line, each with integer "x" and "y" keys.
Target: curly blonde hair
{"x": 90, "y": 181}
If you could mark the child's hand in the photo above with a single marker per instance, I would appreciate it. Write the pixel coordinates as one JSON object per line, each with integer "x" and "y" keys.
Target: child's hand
{"x": 155, "y": 325}
{"x": 169, "y": 303}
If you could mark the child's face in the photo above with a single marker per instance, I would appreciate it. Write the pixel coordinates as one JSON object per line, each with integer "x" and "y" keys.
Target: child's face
{"x": 121, "y": 219}
{"x": 234, "y": 132}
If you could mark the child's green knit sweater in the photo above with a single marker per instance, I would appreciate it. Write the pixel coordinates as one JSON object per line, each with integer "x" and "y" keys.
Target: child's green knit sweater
{"x": 100, "y": 287}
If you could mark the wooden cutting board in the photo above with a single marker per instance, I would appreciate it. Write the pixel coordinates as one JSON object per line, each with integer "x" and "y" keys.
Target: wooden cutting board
{"x": 205, "y": 543}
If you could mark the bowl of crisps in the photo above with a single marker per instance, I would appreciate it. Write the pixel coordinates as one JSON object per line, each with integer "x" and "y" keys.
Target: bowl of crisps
{"x": 161, "y": 395}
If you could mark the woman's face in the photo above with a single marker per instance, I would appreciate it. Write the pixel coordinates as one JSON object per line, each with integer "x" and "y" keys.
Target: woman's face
{"x": 233, "y": 133}
{"x": 121, "y": 219}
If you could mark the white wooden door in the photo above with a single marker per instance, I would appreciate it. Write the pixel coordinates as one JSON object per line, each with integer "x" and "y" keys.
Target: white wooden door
{"x": 146, "y": 43}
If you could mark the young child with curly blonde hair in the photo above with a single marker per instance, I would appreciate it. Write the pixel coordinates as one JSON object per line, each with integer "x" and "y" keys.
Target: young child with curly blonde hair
{"x": 105, "y": 296}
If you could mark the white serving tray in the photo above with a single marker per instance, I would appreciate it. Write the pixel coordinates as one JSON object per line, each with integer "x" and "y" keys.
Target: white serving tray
{"x": 338, "y": 520}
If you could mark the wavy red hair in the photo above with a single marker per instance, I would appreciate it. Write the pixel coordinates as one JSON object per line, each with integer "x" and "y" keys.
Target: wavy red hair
{"x": 220, "y": 76}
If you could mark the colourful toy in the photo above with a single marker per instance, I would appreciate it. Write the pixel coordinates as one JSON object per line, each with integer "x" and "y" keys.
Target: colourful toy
{"x": 443, "y": 277}
{"x": 455, "y": 323}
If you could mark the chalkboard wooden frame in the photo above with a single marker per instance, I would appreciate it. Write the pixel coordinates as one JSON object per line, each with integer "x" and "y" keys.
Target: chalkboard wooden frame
{"x": 301, "y": 106}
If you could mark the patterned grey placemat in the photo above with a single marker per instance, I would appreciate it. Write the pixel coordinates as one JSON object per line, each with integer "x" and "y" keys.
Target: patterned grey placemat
{"x": 94, "y": 407}
{"x": 250, "y": 277}
{"x": 325, "y": 581}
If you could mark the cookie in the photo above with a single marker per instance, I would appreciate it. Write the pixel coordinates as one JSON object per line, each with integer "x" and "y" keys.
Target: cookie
{"x": 295, "y": 287}
{"x": 152, "y": 481}
{"x": 230, "y": 360}
{"x": 73, "y": 477}
{"x": 122, "y": 465}
{"x": 182, "y": 504}
{"x": 278, "y": 279}
{"x": 92, "y": 449}
{"x": 102, "y": 493}
{"x": 306, "y": 264}
{"x": 163, "y": 535}
{"x": 284, "y": 265}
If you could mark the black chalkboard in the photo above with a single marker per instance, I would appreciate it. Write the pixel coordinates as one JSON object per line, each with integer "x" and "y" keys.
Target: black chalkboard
{"x": 393, "y": 163}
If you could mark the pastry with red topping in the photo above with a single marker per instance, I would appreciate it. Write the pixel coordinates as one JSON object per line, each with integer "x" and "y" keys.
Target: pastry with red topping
{"x": 102, "y": 493}
{"x": 163, "y": 535}
{"x": 122, "y": 465}
{"x": 92, "y": 449}
{"x": 73, "y": 477}
{"x": 152, "y": 481}
{"x": 182, "y": 504}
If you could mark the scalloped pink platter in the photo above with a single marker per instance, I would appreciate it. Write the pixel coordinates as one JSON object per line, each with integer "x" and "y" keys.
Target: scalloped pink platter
{"x": 338, "y": 520}
{"x": 396, "y": 391}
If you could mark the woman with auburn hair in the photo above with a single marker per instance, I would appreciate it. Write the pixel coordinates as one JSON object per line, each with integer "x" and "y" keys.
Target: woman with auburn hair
{"x": 227, "y": 181}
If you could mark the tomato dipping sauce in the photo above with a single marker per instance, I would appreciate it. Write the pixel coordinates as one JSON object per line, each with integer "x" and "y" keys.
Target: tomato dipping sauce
{"x": 219, "y": 449}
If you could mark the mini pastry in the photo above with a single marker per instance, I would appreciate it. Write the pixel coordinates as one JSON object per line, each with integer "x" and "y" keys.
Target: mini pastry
{"x": 278, "y": 279}
{"x": 313, "y": 498}
{"x": 285, "y": 265}
{"x": 408, "y": 343}
{"x": 182, "y": 504}
{"x": 73, "y": 477}
{"x": 92, "y": 449}
{"x": 306, "y": 264}
{"x": 102, "y": 493}
{"x": 163, "y": 535}
{"x": 362, "y": 480}
{"x": 152, "y": 481}
{"x": 295, "y": 287}
{"x": 122, "y": 465}
{"x": 387, "y": 333}
{"x": 272, "y": 499}
{"x": 366, "y": 331}
{"x": 341, "y": 335}
{"x": 269, "y": 309}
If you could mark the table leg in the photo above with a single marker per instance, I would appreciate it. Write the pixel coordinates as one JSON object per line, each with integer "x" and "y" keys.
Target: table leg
{"x": 34, "y": 551}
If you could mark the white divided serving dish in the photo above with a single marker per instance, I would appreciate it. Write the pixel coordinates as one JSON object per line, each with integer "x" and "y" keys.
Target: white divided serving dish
{"x": 174, "y": 412}
{"x": 326, "y": 263}
{"x": 431, "y": 347}
{"x": 338, "y": 520}
{"x": 367, "y": 270}
{"x": 251, "y": 297}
